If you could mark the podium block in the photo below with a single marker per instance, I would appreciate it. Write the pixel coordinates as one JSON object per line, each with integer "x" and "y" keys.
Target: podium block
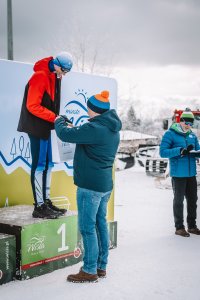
{"x": 42, "y": 246}
{"x": 112, "y": 228}
{"x": 7, "y": 257}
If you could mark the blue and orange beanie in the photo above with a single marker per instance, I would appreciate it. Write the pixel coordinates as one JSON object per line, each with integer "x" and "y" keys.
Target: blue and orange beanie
{"x": 99, "y": 103}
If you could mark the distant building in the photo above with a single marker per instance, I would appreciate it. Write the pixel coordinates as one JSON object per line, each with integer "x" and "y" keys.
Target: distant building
{"x": 130, "y": 141}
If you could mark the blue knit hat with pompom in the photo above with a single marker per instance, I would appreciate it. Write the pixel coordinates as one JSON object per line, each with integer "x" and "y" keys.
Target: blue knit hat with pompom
{"x": 99, "y": 103}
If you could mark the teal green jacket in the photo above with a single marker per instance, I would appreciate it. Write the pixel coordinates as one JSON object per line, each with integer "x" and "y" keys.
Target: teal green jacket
{"x": 173, "y": 141}
{"x": 96, "y": 146}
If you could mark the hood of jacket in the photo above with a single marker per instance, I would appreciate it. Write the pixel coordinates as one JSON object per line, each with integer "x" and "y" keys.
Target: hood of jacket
{"x": 43, "y": 65}
{"x": 109, "y": 119}
{"x": 178, "y": 129}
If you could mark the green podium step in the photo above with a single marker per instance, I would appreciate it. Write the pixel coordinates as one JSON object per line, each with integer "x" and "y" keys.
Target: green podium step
{"x": 43, "y": 246}
{"x": 7, "y": 257}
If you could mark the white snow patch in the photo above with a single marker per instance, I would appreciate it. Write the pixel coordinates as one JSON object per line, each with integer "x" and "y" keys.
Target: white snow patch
{"x": 126, "y": 135}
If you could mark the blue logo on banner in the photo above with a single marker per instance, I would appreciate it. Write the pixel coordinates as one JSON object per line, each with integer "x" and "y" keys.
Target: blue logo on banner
{"x": 76, "y": 110}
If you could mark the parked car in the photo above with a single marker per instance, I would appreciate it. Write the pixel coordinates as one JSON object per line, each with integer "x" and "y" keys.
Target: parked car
{"x": 124, "y": 161}
{"x": 142, "y": 154}
{"x": 157, "y": 166}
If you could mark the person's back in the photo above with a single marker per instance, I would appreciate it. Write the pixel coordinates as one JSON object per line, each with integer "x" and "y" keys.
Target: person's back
{"x": 93, "y": 161}
{"x": 96, "y": 146}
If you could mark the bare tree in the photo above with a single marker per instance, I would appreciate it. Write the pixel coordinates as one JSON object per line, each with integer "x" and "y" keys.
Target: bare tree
{"x": 90, "y": 56}
{"x": 90, "y": 53}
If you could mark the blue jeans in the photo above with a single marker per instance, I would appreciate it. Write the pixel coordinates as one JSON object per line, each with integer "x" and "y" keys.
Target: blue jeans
{"x": 92, "y": 210}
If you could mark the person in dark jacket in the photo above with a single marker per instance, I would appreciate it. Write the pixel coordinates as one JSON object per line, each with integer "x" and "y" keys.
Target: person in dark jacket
{"x": 96, "y": 146}
{"x": 41, "y": 105}
{"x": 177, "y": 144}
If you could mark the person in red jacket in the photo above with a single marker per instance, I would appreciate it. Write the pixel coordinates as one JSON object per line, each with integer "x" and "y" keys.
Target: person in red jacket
{"x": 41, "y": 105}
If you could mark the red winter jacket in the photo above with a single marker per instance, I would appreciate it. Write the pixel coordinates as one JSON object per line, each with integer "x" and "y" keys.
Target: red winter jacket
{"x": 41, "y": 101}
{"x": 42, "y": 81}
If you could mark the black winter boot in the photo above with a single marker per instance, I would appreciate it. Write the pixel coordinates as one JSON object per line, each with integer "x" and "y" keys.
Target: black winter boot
{"x": 59, "y": 211}
{"x": 44, "y": 212}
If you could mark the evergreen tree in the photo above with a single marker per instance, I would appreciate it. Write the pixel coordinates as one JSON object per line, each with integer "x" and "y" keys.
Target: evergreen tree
{"x": 130, "y": 121}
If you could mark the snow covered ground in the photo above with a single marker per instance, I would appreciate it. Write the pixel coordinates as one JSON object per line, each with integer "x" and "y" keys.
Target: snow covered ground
{"x": 151, "y": 262}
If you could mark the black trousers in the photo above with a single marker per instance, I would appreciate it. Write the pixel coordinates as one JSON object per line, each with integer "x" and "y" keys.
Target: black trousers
{"x": 185, "y": 186}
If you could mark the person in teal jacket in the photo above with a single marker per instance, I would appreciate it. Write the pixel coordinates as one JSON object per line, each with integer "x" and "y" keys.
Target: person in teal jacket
{"x": 96, "y": 147}
{"x": 177, "y": 144}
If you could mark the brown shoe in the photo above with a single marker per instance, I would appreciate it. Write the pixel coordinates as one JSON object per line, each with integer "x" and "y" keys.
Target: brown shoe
{"x": 182, "y": 232}
{"x": 82, "y": 277}
{"x": 101, "y": 273}
{"x": 194, "y": 230}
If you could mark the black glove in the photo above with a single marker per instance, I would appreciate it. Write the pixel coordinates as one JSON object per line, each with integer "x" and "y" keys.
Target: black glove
{"x": 66, "y": 119}
{"x": 185, "y": 151}
{"x": 190, "y": 147}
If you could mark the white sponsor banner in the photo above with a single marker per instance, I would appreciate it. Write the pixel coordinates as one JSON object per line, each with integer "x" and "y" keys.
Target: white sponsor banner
{"x": 76, "y": 89}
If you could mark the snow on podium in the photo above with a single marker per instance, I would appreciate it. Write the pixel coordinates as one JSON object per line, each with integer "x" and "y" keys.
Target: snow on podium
{"x": 42, "y": 245}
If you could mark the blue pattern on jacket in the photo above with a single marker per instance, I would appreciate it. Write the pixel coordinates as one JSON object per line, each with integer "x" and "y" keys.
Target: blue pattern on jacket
{"x": 172, "y": 143}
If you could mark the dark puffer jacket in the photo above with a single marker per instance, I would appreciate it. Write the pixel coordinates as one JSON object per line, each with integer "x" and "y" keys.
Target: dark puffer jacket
{"x": 96, "y": 146}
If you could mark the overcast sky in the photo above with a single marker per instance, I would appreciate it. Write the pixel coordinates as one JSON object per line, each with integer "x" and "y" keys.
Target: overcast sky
{"x": 142, "y": 38}
{"x": 137, "y": 31}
